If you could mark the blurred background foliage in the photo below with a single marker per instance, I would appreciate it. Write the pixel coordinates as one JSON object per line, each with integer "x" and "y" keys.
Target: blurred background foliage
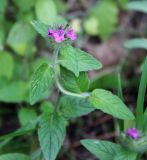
{"x": 22, "y": 51}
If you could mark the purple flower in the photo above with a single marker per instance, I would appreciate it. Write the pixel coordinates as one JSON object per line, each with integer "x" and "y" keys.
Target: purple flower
{"x": 59, "y": 35}
{"x": 71, "y": 34}
{"x": 51, "y": 33}
{"x": 133, "y": 133}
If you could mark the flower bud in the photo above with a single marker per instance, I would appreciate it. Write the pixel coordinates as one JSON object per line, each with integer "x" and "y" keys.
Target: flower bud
{"x": 134, "y": 141}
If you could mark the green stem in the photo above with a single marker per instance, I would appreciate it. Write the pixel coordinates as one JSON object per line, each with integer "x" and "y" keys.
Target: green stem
{"x": 54, "y": 58}
{"x": 82, "y": 95}
{"x": 120, "y": 95}
{"x": 141, "y": 96}
{"x": 64, "y": 91}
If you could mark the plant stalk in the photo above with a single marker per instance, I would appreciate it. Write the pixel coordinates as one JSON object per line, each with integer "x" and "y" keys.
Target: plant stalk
{"x": 141, "y": 96}
{"x": 54, "y": 64}
{"x": 120, "y": 95}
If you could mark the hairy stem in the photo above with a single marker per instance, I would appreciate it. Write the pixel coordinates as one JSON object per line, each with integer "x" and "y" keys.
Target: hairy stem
{"x": 54, "y": 58}
{"x": 57, "y": 74}
{"x": 82, "y": 95}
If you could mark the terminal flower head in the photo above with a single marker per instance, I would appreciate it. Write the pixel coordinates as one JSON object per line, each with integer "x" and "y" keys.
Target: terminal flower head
{"x": 133, "y": 133}
{"x": 60, "y": 34}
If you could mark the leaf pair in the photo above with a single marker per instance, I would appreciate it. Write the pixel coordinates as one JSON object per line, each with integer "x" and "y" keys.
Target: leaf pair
{"x": 99, "y": 98}
{"x": 72, "y": 107}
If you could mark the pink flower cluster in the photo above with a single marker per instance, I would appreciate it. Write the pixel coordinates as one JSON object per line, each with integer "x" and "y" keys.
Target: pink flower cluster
{"x": 133, "y": 133}
{"x": 60, "y": 35}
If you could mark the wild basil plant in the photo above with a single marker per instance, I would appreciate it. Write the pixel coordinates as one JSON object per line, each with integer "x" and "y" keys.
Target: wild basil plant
{"x": 67, "y": 73}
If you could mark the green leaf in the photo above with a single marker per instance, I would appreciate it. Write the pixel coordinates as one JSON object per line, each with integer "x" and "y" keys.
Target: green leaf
{"x": 41, "y": 28}
{"x": 102, "y": 149}
{"x": 46, "y": 11}
{"x": 72, "y": 107}
{"x": 21, "y": 66}
{"x": 38, "y": 62}
{"x": 3, "y": 8}
{"x": 111, "y": 104}
{"x": 123, "y": 3}
{"x": 21, "y": 38}
{"x": 141, "y": 96}
{"x": 136, "y": 43}
{"x": 25, "y": 5}
{"x": 27, "y": 16}
{"x": 47, "y": 107}
{"x": 51, "y": 135}
{"x": 125, "y": 155}
{"x": 14, "y": 92}
{"x": 61, "y": 20}
{"x": 61, "y": 5}
{"x": 108, "y": 80}
{"x": 36, "y": 155}
{"x": 106, "y": 22}
{"x": 73, "y": 83}
{"x": 144, "y": 121}
{"x": 77, "y": 60}
{"x": 14, "y": 156}
{"x": 2, "y": 37}
{"x": 6, "y": 64}
{"x": 26, "y": 115}
{"x": 105, "y": 150}
{"x": 41, "y": 83}
{"x": 91, "y": 26}
{"x": 138, "y": 6}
